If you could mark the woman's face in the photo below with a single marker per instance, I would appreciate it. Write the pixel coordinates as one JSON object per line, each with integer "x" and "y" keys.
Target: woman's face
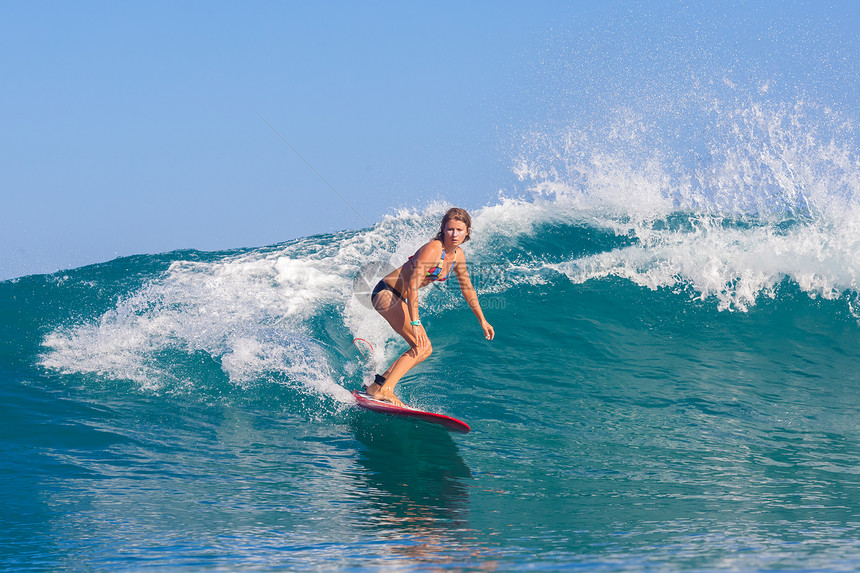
{"x": 454, "y": 233}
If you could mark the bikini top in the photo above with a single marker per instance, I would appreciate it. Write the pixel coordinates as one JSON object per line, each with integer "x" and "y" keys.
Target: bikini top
{"x": 433, "y": 274}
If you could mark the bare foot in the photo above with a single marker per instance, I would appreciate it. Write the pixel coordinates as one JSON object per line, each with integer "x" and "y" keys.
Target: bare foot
{"x": 376, "y": 392}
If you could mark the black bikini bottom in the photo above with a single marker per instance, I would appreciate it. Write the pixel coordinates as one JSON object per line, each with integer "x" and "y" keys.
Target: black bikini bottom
{"x": 381, "y": 286}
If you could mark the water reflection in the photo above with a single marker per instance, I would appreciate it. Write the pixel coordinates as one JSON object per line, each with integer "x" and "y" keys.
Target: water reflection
{"x": 415, "y": 482}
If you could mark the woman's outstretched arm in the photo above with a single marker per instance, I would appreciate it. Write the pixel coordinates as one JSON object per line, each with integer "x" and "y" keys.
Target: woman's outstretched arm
{"x": 462, "y": 274}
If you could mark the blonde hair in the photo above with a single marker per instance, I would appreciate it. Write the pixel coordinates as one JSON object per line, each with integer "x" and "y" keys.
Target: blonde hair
{"x": 456, "y": 214}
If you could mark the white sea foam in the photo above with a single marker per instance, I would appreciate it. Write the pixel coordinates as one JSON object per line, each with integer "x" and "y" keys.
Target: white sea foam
{"x": 774, "y": 193}
{"x": 246, "y": 311}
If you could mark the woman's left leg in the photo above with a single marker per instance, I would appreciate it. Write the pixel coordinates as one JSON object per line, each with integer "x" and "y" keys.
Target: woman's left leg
{"x": 394, "y": 310}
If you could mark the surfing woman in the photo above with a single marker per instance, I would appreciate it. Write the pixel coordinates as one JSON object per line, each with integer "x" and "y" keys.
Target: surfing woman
{"x": 396, "y": 297}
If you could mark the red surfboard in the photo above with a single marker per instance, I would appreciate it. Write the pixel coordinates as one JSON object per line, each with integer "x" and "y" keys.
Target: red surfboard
{"x": 446, "y": 422}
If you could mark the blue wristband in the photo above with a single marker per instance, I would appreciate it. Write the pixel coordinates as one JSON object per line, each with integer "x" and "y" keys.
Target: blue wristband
{"x": 415, "y": 323}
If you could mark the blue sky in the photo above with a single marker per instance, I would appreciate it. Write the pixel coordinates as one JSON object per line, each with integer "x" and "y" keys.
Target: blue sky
{"x": 135, "y": 127}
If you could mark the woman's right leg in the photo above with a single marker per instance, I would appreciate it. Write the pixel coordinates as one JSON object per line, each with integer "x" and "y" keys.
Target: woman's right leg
{"x": 394, "y": 310}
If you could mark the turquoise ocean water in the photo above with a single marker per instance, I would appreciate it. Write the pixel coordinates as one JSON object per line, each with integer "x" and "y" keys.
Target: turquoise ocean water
{"x": 673, "y": 385}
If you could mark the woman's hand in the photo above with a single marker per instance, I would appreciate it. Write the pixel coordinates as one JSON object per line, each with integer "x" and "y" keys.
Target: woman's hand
{"x": 489, "y": 333}
{"x": 420, "y": 336}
